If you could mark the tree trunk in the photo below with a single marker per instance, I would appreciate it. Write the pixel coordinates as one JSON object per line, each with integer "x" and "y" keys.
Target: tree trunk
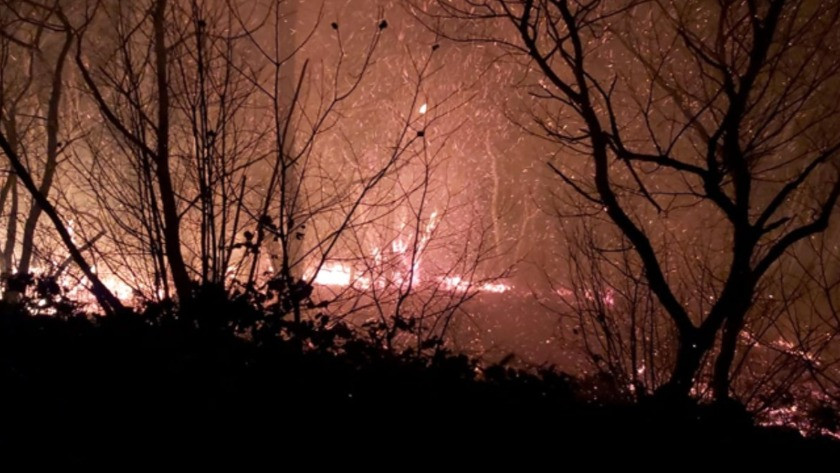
{"x": 690, "y": 353}
{"x": 11, "y": 292}
{"x": 291, "y": 175}
{"x": 171, "y": 220}
{"x": 53, "y": 107}
{"x": 734, "y": 310}
{"x": 11, "y": 226}
{"x": 723, "y": 363}
{"x": 11, "y": 181}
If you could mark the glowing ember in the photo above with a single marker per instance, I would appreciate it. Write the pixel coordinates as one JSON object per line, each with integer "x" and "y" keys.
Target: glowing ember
{"x": 455, "y": 283}
{"x": 497, "y": 288}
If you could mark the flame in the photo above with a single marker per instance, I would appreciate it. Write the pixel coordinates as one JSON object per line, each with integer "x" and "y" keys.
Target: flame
{"x": 334, "y": 274}
{"x": 399, "y": 263}
{"x": 77, "y": 289}
{"x": 121, "y": 290}
{"x": 337, "y": 274}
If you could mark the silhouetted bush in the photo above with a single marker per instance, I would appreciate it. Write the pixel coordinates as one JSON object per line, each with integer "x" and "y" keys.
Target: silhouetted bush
{"x": 218, "y": 374}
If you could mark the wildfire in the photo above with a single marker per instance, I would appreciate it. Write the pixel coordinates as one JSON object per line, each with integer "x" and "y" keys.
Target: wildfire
{"x": 399, "y": 263}
{"x": 334, "y": 274}
{"x": 395, "y": 264}
{"x": 337, "y": 274}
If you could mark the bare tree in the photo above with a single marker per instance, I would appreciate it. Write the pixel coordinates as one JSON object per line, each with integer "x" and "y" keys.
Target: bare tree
{"x": 268, "y": 184}
{"x": 151, "y": 139}
{"x": 404, "y": 279}
{"x": 209, "y": 151}
{"x": 52, "y": 129}
{"x": 732, "y": 123}
{"x": 36, "y": 44}
{"x": 321, "y": 195}
{"x": 606, "y": 304}
{"x": 109, "y": 303}
{"x": 30, "y": 25}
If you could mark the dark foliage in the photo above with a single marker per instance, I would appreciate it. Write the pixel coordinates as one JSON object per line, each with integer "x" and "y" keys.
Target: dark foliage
{"x": 219, "y": 378}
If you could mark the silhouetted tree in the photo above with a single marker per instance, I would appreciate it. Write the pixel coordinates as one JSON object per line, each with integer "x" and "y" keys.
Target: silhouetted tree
{"x": 33, "y": 95}
{"x": 724, "y": 112}
{"x": 211, "y": 151}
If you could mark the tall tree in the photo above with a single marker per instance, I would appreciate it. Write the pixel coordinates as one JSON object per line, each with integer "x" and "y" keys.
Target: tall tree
{"x": 36, "y": 47}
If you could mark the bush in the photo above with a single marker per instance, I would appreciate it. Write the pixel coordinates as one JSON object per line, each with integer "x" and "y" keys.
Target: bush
{"x": 219, "y": 371}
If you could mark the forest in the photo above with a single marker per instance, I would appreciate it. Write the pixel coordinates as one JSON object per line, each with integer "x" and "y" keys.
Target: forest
{"x": 263, "y": 229}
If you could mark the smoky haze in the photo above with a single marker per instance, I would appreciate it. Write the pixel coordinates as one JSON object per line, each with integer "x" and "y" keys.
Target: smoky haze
{"x": 647, "y": 193}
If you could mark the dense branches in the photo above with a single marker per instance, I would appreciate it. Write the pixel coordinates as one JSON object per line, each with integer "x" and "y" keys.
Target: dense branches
{"x": 729, "y": 107}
